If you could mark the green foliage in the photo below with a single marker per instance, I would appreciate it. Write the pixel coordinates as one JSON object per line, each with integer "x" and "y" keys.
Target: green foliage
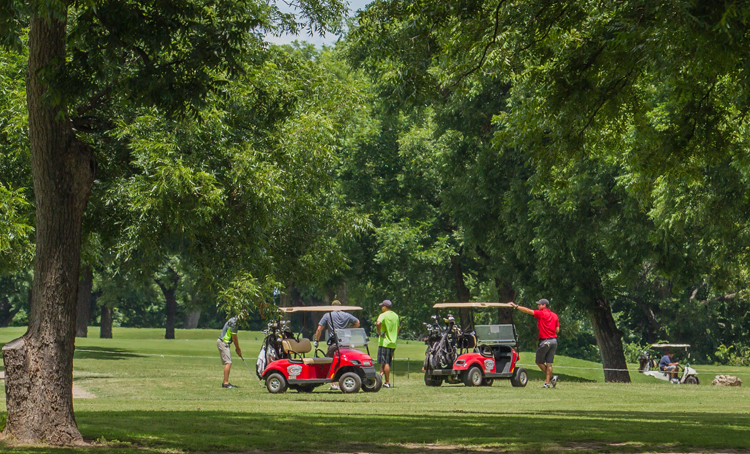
{"x": 739, "y": 357}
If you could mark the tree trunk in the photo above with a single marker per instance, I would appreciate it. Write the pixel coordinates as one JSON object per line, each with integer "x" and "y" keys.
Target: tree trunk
{"x": 39, "y": 365}
{"x": 7, "y": 312}
{"x": 609, "y": 339}
{"x": 462, "y": 292}
{"x": 105, "y": 327}
{"x": 83, "y": 311}
{"x": 342, "y": 293}
{"x": 192, "y": 319}
{"x": 168, "y": 287}
{"x": 505, "y": 294}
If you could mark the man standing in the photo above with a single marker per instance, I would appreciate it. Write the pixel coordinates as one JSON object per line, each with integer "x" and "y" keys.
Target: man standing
{"x": 387, "y": 327}
{"x": 549, "y": 325}
{"x": 228, "y": 335}
{"x": 332, "y": 321}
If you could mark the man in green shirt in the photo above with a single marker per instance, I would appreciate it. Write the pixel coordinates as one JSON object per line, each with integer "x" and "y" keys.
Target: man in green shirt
{"x": 387, "y": 327}
{"x": 228, "y": 336}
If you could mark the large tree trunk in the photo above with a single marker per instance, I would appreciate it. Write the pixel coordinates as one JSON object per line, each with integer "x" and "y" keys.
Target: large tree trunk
{"x": 609, "y": 339}
{"x": 39, "y": 365}
{"x": 168, "y": 287}
{"x": 7, "y": 312}
{"x": 505, "y": 294}
{"x": 191, "y": 319}
{"x": 462, "y": 292}
{"x": 342, "y": 293}
{"x": 105, "y": 327}
{"x": 83, "y": 311}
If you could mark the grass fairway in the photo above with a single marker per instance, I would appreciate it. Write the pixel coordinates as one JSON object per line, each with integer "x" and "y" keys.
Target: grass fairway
{"x": 145, "y": 402}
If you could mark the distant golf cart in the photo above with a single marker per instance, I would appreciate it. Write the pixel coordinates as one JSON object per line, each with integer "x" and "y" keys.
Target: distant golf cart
{"x": 476, "y": 357}
{"x": 648, "y": 364}
{"x": 351, "y": 368}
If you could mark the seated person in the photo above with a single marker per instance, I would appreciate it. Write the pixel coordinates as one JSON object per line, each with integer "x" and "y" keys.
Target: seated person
{"x": 667, "y": 365}
{"x": 332, "y": 321}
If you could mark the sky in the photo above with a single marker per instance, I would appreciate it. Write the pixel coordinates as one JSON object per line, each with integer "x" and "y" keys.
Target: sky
{"x": 318, "y": 40}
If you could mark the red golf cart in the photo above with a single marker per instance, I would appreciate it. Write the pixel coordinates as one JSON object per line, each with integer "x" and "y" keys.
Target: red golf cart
{"x": 492, "y": 354}
{"x": 353, "y": 369}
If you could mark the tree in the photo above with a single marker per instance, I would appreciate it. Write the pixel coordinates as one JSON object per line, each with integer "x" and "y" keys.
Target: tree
{"x": 83, "y": 59}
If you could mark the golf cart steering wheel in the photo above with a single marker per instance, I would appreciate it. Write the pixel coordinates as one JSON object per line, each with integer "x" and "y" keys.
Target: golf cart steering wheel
{"x": 485, "y": 350}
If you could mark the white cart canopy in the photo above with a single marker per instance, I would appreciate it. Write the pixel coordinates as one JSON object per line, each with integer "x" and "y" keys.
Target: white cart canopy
{"x": 319, "y": 308}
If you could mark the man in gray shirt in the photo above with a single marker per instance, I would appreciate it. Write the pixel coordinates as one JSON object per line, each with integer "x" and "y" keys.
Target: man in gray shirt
{"x": 332, "y": 321}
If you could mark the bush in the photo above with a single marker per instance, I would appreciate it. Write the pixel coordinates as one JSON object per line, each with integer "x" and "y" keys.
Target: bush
{"x": 739, "y": 357}
{"x": 633, "y": 350}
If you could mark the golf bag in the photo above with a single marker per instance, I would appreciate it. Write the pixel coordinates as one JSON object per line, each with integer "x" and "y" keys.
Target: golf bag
{"x": 444, "y": 353}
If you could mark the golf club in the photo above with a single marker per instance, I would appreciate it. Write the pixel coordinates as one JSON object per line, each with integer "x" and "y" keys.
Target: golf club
{"x": 250, "y": 370}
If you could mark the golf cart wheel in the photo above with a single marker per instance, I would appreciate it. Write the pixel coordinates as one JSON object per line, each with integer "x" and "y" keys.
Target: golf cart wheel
{"x": 276, "y": 383}
{"x": 350, "y": 383}
{"x": 372, "y": 385}
{"x": 519, "y": 378}
{"x": 488, "y": 381}
{"x": 691, "y": 380}
{"x": 429, "y": 380}
{"x": 473, "y": 377}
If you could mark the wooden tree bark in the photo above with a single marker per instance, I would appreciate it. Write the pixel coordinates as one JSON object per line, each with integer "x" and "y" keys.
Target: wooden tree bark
{"x": 609, "y": 339}
{"x": 105, "y": 326}
{"x": 7, "y": 312}
{"x": 464, "y": 296}
{"x": 191, "y": 319}
{"x": 83, "y": 310}
{"x": 39, "y": 365}
{"x": 505, "y": 294}
{"x": 168, "y": 287}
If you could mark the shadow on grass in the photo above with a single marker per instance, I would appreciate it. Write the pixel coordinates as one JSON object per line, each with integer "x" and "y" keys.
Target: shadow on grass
{"x": 105, "y": 353}
{"x": 470, "y": 432}
{"x": 414, "y": 371}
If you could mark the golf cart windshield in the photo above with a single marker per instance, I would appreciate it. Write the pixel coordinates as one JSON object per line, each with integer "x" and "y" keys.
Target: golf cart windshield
{"x": 495, "y": 334}
{"x": 352, "y": 337}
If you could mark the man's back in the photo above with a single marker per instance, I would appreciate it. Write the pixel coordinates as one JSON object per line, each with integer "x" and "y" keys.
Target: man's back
{"x": 337, "y": 320}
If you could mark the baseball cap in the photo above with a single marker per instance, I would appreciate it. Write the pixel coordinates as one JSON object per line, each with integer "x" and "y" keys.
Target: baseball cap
{"x": 386, "y": 303}
{"x": 335, "y": 303}
{"x": 543, "y": 301}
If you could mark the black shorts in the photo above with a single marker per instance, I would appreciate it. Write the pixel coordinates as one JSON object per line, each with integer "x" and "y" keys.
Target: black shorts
{"x": 545, "y": 354}
{"x": 385, "y": 355}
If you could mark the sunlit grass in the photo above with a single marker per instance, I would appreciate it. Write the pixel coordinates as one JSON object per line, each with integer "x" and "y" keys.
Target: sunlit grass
{"x": 155, "y": 395}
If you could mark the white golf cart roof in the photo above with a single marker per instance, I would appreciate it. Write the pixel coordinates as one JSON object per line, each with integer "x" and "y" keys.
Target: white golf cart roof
{"x": 469, "y": 305}
{"x": 670, "y": 345}
{"x": 319, "y": 308}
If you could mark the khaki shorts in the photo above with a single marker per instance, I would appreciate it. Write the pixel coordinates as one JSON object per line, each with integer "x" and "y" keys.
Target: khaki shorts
{"x": 226, "y": 357}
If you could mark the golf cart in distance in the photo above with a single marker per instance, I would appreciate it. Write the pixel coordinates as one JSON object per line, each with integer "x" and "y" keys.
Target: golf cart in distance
{"x": 650, "y": 366}
{"x": 351, "y": 368}
{"x": 494, "y": 356}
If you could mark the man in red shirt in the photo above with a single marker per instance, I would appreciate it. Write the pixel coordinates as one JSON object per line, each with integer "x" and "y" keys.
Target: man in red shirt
{"x": 549, "y": 326}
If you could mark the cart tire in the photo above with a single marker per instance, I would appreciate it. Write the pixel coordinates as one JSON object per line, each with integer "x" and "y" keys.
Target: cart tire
{"x": 276, "y": 383}
{"x": 473, "y": 377}
{"x": 372, "y": 385}
{"x": 519, "y": 378}
{"x": 691, "y": 380}
{"x": 350, "y": 383}
{"x": 432, "y": 381}
{"x": 488, "y": 381}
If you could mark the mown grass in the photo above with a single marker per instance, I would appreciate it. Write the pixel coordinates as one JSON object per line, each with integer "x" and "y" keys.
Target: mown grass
{"x": 154, "y": 395}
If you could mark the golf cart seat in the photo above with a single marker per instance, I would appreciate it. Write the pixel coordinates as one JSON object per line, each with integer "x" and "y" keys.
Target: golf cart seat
{"x": 301, "y": 346}
{"x": 323, "y": 360}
